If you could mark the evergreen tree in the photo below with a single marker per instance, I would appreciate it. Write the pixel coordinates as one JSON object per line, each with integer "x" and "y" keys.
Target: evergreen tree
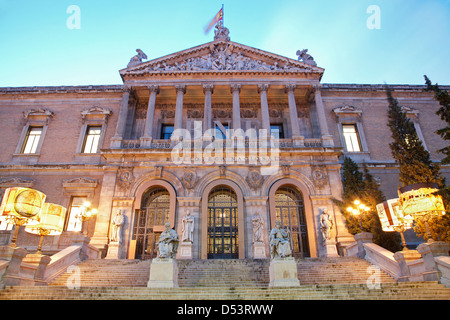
{"x": 443, "y": 98}
{"x": 408, "y": 151}
{"x": 362, "y": 186}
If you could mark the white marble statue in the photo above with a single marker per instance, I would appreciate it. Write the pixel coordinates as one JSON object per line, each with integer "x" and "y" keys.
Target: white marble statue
{"x": 326, "y": 224}
{"x": 116, "y": 230}
{"x": 280, "y": 242}
{"x": 257, "y": 229}
{"x": 188, "y": 228}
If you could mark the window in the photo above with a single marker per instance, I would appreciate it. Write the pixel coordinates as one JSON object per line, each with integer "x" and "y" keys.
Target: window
{"x": 92, "y": 139}
{"x": 32, "y": 138}
{"x": 166, "y": 131}
{"x": 73, "y": 222}
{"x": 276, "y": 130}
{"x": 221, "y": 131}
{"x": 351, "y": 138}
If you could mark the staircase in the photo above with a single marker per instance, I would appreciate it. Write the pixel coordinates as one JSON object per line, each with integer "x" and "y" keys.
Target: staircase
{"x": 331, "y": 278}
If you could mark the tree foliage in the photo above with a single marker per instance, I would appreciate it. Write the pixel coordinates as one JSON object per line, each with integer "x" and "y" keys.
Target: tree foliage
{"x": 362, "y": 186}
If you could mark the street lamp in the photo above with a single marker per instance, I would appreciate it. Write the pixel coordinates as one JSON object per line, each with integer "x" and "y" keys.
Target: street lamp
{"x": 21, "y": 206}
{"x": 358, "y": 210}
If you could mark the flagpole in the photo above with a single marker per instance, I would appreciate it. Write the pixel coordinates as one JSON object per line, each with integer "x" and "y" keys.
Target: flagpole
{"x": 223, "y": 17}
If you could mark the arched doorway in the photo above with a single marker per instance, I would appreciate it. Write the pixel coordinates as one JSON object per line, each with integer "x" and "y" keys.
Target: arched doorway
{"x": 290, "y": 210}
{"x": 223, "y": 238}
{"x": 148, "y": 222}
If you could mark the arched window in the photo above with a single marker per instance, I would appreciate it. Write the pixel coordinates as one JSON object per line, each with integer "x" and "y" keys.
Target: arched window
{"x": 289, "y": 209}
{"x": 223, "y": 241}
{"x": 149, "y": 221}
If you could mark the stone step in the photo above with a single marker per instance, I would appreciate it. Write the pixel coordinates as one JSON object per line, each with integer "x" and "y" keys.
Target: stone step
{"x": 408, "y": 290}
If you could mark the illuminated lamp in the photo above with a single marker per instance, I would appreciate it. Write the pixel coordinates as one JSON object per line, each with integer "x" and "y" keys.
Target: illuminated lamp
{"x": 51, "y": 222}
{"x": 21, "y": 206}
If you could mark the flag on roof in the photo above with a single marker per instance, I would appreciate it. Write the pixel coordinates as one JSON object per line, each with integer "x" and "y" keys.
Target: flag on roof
{"x": 218, "y": 17}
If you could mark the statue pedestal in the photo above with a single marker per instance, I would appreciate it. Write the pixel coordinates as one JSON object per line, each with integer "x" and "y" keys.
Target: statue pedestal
{"x": 259, "y": 251}
{"x": 163, "y": 274}
{"x": 185, "y": 250}
{"x": 331, "y": 249}
{"x": 113, "y": 250}
{"x": 283, "y": 273}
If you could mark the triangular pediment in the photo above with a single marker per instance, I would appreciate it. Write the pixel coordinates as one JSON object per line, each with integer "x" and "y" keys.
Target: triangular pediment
{"x": 220, "y": 57}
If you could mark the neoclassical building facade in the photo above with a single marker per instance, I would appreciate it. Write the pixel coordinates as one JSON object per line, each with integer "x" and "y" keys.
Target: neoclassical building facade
{"x": 232, "y": 137}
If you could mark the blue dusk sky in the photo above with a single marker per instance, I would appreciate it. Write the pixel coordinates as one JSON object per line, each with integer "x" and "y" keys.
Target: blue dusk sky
{"x": 396, "y": 43}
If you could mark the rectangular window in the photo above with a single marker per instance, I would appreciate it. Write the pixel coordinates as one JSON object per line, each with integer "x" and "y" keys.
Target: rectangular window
{"x": 219, "y": 132}
{"x": 92, "y": 139}
{"x": 351, "y": 138}
{"x": 73, "y": 222}
{"x": 166, "y": 131}
{"x": 32, "y": 140}
{"x": 276, "y": 130}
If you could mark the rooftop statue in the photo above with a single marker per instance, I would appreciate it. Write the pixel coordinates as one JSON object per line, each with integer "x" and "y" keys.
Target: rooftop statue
{"x": 137, "y": 59}
{"x": 221, "y": 32}
{"x": 306, "y": 58}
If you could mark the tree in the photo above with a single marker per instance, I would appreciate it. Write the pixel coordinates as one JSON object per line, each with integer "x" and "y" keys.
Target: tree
{"x": 362, "y": 186}
{"x": 414, "y": 160}
{"x": 444, "y": 112}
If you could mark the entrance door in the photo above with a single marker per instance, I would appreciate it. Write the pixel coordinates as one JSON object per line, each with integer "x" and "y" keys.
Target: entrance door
{"x": 154, "y": 213}
{"x": 290, "y": 211}
{"x": 222, "y": 224}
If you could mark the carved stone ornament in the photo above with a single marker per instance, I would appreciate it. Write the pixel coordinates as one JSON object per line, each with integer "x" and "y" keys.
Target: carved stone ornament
{"x": 319, "y": 176}
{"x": 38, "y": 113}
{"x": 125, "y": 178}
{"x": 16, "y": 182}
{"x": 254, "y": 178}
{"x": 95, "y": 112}
{"x": 189, "y": 179}
{"x": 304, "y": 56}
{"x": 137, "y": 59}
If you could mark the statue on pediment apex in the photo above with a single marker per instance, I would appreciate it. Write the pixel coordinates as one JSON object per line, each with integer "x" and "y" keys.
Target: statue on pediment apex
{"x": 137, "y": 59}
{"x": 221, "y": 32}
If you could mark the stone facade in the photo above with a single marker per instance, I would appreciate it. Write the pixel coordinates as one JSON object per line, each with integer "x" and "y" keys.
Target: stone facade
{"x": 220, "y": 84}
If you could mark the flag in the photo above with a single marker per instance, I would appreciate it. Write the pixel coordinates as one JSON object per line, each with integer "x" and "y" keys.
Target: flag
{"x": 218, "y": 17}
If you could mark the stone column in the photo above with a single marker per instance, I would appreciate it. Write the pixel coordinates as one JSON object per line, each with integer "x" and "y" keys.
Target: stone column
{"x": 116, "y": 140}
{"x": 235, "y": 90}
{"x": 262, "y": 89}
{"x": 208, "y": 90}
{"x": 146, "y": 139}
{"x": 327, "y": 140}
{"x": 178, "y": 122}
{"x": 297, "y": 139}
{"x": 103, "y": 218}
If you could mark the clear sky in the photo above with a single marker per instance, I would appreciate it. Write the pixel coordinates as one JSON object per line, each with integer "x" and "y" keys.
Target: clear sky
{"x": 37, "y": 48}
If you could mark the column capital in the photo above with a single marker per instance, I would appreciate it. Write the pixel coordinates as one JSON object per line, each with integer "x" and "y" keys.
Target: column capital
{"x": 235, "y": 87}
{"x": 263, "y": 87}
{"x": 208, "y": 87}
{"x": 126, "y": 88}
{"x": 180, "y": 88}
{"x": 153, "y": 88}
{"x": 290, "y": 87}
{"x": 316, "y": 87}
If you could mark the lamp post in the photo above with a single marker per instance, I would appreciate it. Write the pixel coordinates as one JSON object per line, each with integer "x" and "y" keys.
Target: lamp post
{"x": 86, "y": 213}
{"x": 21, "y": 206}
{"x": 358, "y": 210}
{"x": 51, "y": 222}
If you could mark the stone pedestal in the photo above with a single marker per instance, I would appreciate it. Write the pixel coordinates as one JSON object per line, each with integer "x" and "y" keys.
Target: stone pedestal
{"x": 185, "y": 250}
{"x": 283, "y": 273}
{"x": 113, "y": 250}
{"x": 163, "y": 274}
{"x": 331, "y": 249}
{"x": 361, "y": 238}
{"x": 259, "y": 251}
{"x": 402, "y": 258}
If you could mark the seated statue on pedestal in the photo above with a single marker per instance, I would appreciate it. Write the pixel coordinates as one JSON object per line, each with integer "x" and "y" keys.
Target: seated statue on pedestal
{"x": 280, "y": 243}
{"x": 167, "y": 245}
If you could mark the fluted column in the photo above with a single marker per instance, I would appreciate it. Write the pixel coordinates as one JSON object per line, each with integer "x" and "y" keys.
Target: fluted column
{"x": 178, "y": 122}
{"x": 262, "y": 89}
{"x": 207, "y": 117}
{"x": 146, "y": 139}
{"x": 235, "y": 90}
{"x": 116, "y": 140}
{"x": 327, "y": 140}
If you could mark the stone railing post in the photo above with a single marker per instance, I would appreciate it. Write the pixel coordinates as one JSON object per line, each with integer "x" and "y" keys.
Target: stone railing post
{"x": 361, "y": 238}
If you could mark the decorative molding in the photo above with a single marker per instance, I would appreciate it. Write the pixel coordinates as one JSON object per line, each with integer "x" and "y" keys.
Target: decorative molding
{"x": 254, "y": 178}
{"x": 80, "y": 183}
{"x": 16, "y": 182}
{"x": 95, "y": 112}
{"x": 38, "y": 114}
{"x": 125, "y": 178}
{"x": 189, "y": 179}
